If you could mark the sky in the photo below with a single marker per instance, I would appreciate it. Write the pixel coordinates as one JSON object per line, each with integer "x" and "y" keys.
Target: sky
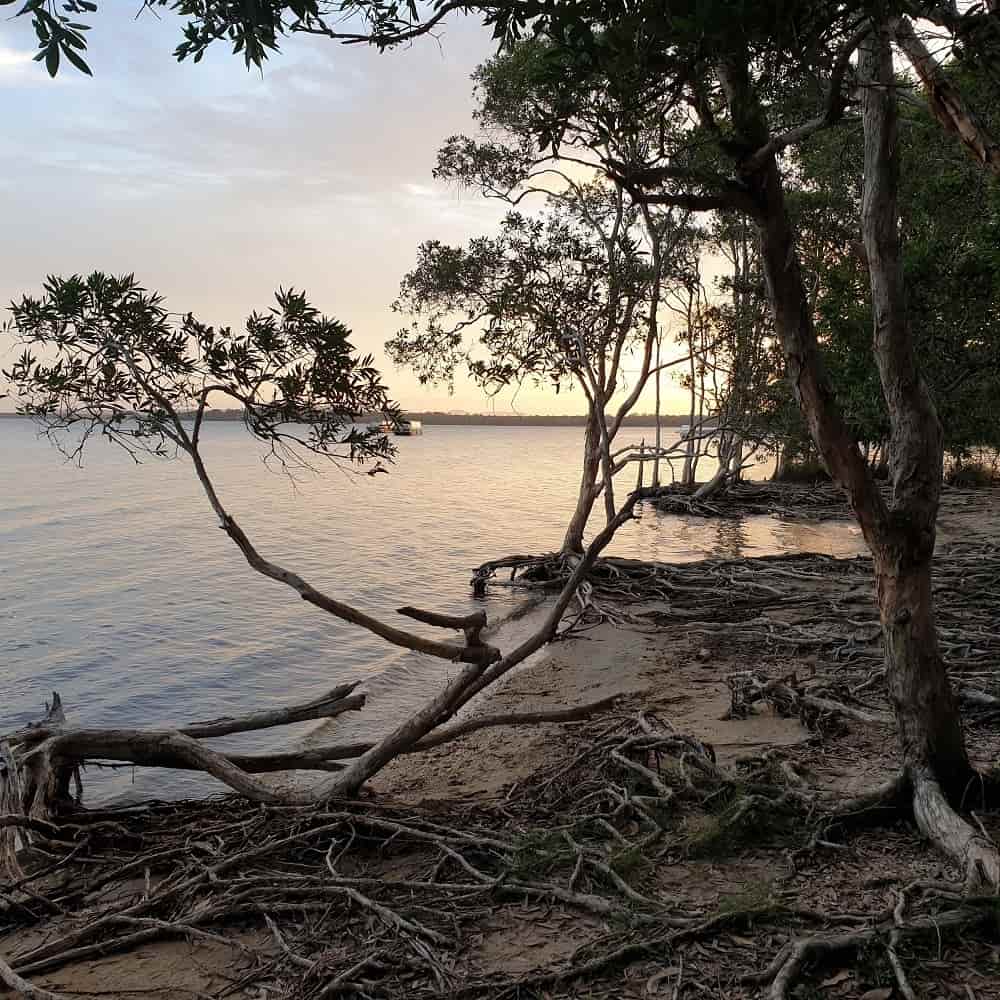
{"x": 216, "y": 185}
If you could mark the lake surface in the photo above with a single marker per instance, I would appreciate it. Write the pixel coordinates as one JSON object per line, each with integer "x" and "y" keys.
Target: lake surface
{"x": 118, "y": 590}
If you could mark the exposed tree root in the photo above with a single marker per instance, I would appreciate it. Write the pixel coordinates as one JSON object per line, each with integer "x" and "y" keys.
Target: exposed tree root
{"x": 972, "y": 850}
{"x": 634, "y": 794}
{"x": 22, "y": 987}
{"x": 793, "y": 501}
{"x": 794, "y": 957}
{"x": 368, "y": 897}
{"x": 814, "y": 703}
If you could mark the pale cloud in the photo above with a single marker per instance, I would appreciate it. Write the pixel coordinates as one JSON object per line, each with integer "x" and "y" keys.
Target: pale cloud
{"x": 421, "y": 191}
{"x": 18, "y": 69}
{"x": 215, "y": 185}
{"x": 13, "y": 57}
{"x": 15, "y": 64}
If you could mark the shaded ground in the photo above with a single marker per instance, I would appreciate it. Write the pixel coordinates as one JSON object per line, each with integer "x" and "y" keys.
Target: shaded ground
{"x": 692, "y": 907}
{"x": 804, "y": 501}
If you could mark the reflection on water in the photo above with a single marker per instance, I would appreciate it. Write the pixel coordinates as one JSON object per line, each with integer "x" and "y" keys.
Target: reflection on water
{"x": 117, "y": 590}
{"x": 732, "y": 539}
{"x": 676, "y": 538}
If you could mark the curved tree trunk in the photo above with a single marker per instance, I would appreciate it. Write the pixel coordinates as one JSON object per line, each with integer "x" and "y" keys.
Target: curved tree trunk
{"x": 927, "y": 713}
{"x": 721, "y": 476}
{"x": 930, "y": 726}
{"x": 901, "y": 539}
{"x": 573, "y": 540}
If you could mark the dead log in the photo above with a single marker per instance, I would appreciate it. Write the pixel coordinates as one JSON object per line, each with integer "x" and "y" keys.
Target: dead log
{"x": 150, "y": 748}
{"x": 472, "y": 625}
{"x": 327, "y": 706}
{"x": 29, "y": 806}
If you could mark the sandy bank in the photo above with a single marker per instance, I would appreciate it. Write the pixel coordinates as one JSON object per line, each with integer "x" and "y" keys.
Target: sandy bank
{"x": 663, "y": 670}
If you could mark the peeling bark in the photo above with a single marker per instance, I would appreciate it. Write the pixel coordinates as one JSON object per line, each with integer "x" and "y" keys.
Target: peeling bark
{"x": 944, "y": 98}
{"x": 930, "y": 726}
{"x": 573, "y": 540}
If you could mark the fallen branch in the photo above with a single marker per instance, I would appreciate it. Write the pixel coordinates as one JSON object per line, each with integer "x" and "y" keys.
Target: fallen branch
{"x": 791, "y": 960}
{"x": 23, "y": 988}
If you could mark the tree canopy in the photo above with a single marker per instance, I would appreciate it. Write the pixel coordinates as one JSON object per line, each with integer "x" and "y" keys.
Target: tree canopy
{"x": 103, "y": 355}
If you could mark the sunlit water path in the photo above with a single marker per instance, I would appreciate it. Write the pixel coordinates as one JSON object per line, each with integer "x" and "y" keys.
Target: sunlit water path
{"x": 118, "y": 590}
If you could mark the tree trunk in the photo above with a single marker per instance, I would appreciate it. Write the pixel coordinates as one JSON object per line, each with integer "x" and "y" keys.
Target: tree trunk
{"x": 659, "y": 432}
{"x": 780, "y": 464}
{"x": 902, "y": 541}
{"x": 930, "y": 726}
{"x": 936, "y": 768}
{"x": 927, "y": 714}
{"x": 687, "y": 476}
{"x": 573, "y": 540}
{"x": 945, "y": 100}
{"x": 793, "y": 323}
{"x": 715, "y": 484}
{"x": 736, "y": 461}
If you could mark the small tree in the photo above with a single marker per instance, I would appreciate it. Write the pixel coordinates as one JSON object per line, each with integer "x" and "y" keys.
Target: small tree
{"x": 103, "y": 357}
{"x": 567, "y": 299}
{"x": 560, "y": 300}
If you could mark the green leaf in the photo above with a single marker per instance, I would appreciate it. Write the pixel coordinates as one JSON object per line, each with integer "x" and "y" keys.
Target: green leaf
{"x": 52, "y": 59}
{"x": 77, "y": 61}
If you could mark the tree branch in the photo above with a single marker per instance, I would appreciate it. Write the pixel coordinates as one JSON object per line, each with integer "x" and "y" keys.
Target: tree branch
{"x": 833, "y": 109}
{"x": 945, "y": 99}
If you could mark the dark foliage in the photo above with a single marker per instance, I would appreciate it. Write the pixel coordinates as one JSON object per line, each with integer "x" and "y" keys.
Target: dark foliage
{"x": 103, "y": 355}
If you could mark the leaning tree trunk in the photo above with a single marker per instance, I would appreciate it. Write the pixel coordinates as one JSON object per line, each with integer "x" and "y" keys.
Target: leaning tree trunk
{"x": 721, "y": 477}
{"x": 573, "y": 540}
{"x": 901, "y": 539}
{"x": 930, "y": 726}
{"x": 927, "y": 714}
{"x": 944, "y": 98}
{"x": 736, "y": 461}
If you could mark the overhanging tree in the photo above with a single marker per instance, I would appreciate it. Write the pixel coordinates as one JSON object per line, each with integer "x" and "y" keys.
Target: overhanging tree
{"x": 564, "y": 299}
{"x": 103, "y": 357}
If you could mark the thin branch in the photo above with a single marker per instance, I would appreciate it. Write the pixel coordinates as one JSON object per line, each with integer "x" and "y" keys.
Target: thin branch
{"x": 833, "y": 109}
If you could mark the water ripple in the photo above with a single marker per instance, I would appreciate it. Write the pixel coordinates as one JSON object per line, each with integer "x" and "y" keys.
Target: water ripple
{"x": 117, "y": 589}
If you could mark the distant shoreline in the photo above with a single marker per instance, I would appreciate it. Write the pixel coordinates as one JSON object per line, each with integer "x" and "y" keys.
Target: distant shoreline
{"x": 476, "y": 419}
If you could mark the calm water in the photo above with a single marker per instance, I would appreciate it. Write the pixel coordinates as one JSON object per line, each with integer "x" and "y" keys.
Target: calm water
{"x": 118, "y": 590}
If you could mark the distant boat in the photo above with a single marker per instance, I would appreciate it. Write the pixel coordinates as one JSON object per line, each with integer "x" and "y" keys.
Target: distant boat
{"x": 401, "y": 427}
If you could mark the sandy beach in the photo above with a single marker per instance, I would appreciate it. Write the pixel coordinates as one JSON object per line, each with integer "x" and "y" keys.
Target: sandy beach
{"x": 672, "y": 663}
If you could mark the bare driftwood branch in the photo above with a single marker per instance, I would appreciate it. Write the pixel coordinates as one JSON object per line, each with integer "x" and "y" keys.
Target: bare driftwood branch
{"x": 148, "y": 748}
{"x": 408, "y": 640}
{"x": 327, "y": 706}
{"x": 23, "y": 988}
{"x": 472, "y": 625}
